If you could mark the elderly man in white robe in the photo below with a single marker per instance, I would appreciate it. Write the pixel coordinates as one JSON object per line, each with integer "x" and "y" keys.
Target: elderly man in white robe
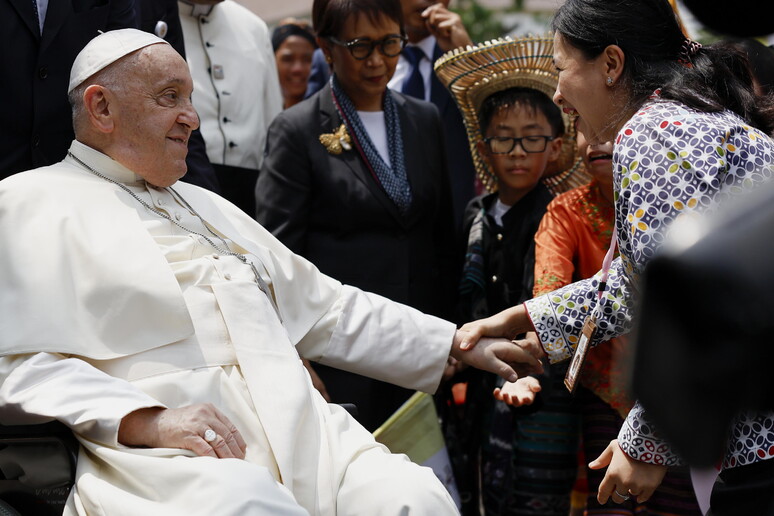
{"x": 165, "y": 327}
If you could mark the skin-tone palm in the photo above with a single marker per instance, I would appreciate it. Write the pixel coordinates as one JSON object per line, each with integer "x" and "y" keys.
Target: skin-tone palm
{"x": 519, "y": 393}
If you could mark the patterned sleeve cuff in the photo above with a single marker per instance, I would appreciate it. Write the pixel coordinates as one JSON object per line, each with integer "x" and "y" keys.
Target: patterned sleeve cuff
{"x": 640, "y": 440}
{"x": 557, "y": 345}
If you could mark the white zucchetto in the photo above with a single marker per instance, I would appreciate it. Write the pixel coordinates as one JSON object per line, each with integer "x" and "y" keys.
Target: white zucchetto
{"x": 105, "y": 49}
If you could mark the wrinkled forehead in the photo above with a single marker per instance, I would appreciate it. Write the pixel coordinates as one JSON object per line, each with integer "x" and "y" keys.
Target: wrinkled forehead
{"x": 158, "y": 65}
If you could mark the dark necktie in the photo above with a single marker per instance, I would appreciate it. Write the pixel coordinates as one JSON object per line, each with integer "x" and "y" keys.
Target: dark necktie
{"x": 37, "y": 15}
{"x": 414, "y": 84}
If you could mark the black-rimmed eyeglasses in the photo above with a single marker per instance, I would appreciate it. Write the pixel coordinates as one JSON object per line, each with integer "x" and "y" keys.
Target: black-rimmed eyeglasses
{"x": 505, "y": 144}
{"x": 361, "y": 48}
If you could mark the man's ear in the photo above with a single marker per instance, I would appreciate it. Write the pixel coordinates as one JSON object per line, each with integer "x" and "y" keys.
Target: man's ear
{"x": 99, "y": 108}
{"x": 555, "y": 148}
{"x": 613, "y": 59}
{"x": 483, "y": 151}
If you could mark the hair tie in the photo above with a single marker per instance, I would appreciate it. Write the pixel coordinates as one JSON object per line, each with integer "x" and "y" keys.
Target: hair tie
{"x": 688, "y": 49}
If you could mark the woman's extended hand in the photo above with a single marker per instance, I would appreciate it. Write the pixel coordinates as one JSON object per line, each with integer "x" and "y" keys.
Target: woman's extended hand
{"x": 625, "y": 476}
{"x": 507, "y": 324}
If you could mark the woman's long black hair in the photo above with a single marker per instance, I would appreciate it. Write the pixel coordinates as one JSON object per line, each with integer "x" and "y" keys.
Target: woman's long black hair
{"x": 712, "y": 79}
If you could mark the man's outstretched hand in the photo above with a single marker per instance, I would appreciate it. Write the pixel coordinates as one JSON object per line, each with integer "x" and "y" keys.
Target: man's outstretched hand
{"x": 496, "y": 355}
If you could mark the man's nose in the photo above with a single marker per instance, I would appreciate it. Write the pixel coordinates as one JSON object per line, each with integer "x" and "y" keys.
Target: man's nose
{"x": 189, "y": 117}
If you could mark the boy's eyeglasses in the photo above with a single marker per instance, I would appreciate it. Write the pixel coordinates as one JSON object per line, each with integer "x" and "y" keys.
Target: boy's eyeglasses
{"x": 504, "y": 144}
{"x": 361, "y": 48}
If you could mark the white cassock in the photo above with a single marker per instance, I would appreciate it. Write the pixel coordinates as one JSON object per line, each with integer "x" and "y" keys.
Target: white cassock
{"x": 106, "y": 308}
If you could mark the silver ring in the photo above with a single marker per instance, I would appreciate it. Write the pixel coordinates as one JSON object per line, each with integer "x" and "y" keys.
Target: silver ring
{"x": 625, "y": 497}
{"x": 210, "y": 435}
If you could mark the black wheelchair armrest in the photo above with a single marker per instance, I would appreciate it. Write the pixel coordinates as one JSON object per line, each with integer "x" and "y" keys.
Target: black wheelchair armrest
{"x": 37, "y": 468}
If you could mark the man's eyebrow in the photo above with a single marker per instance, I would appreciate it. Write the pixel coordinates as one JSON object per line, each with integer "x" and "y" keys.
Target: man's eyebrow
{"x": 172, "y": 80}
{"x": 528, "y": 126}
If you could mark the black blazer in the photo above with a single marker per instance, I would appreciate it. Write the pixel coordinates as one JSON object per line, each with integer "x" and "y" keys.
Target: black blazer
{"x": 329, "y": 208}
{"x": 34, "y": 72}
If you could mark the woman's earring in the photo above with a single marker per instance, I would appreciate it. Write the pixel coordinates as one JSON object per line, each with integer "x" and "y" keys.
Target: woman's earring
{"x": 609, "y": 81}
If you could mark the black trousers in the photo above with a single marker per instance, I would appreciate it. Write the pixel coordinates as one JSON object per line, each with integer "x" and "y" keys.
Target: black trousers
{"x": 744, "y": 490}
{"x": 237, "y": 184}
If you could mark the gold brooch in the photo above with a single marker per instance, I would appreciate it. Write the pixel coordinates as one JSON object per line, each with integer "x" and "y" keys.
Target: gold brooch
{"x": 337, "y": 142}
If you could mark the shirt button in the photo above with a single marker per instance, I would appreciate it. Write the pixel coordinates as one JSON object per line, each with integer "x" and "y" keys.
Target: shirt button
{"x": 499, "y": 236}
{"x": 216, "y": 257}
{"x": 227, "y": 276}
{"x": 178, "y": 216}
{"x": 494, "y": 279}
{"x": 160, "y": 202}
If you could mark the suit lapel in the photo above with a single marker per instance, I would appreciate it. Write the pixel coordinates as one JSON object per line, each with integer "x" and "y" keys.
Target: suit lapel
{"x": 329, "y": 122}
{"x": 24, "y": 8}
{"x": 56, "y": 15}
{"x": 412, "y": 152}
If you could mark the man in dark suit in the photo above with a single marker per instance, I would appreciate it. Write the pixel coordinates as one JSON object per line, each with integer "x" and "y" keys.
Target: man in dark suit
{"x": 435, "y": 30}
{"x": 35, "y": 64}
{"x": 40, "y": 41}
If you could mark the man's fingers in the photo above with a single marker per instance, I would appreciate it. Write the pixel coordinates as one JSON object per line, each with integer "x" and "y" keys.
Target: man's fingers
{"x": 202, "y": 448}
{"x": 507, "y": 372}
{"x": 221, "y": 448}
{"x": 521, "y": 356}
{"x": 232, "y": 436}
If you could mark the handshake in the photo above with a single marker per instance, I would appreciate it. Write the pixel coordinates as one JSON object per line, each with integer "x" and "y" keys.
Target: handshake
{"x": 488, "y": 344}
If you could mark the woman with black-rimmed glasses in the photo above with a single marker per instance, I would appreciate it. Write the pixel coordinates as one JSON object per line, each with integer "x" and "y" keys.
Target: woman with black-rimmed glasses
{"x": 355, "y": 180}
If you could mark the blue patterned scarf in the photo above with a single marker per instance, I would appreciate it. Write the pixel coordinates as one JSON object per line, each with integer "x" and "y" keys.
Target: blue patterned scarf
{"x": 393, "y": 178}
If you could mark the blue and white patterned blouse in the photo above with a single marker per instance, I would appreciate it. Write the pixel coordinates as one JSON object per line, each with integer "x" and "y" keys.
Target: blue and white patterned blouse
{"x": 668, "y": 160}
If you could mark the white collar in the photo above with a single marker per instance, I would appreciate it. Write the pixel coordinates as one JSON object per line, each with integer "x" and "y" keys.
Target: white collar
{"x": 104, "y": 164}
{"x": 195, "y": 9}
{"x": 427, "y": 46}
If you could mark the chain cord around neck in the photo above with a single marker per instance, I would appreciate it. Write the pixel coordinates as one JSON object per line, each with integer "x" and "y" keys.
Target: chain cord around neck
{"x": 224, "y": 250}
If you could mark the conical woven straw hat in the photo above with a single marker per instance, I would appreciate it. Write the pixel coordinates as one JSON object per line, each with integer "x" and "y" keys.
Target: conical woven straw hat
{"x": 474, "y": 73}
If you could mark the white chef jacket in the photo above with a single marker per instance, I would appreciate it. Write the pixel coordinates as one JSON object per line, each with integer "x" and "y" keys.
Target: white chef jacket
{"x": 236, "y": 87}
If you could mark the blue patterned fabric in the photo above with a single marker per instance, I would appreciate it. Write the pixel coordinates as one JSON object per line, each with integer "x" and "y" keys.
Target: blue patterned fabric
{"x": 393, "y": 178}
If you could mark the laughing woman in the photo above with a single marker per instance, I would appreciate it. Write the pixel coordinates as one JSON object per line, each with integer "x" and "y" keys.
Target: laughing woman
{"x": 689, "y": 131}
{"x": 355, "y": 180}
